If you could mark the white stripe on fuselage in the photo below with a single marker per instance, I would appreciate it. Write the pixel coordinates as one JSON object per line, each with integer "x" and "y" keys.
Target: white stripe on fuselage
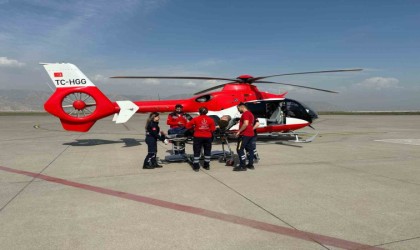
{"x": 269, "y": 99}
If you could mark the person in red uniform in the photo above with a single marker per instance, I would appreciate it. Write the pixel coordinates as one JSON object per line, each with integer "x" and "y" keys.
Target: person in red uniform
{"x": 245, "y": 136}
{"x": 203, "y": 127}
{"x": 177, "y": 120}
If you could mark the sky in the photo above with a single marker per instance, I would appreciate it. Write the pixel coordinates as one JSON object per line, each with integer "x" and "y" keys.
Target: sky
{"x": 221, "y": 39}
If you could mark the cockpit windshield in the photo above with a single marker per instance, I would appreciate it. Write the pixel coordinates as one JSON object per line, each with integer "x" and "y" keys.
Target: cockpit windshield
{"x": 275, "y": 111}
{"x": 299, "y": 110}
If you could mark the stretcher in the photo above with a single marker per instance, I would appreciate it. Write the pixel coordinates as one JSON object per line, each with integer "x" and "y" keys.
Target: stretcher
{"x": 220, "y": 136}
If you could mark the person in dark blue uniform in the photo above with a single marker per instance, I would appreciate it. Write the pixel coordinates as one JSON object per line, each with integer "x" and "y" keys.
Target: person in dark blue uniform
{"x": 153, "y": 134}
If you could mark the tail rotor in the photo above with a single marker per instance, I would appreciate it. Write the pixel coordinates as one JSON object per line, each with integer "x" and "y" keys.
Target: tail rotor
{"x": 79, "y": 105}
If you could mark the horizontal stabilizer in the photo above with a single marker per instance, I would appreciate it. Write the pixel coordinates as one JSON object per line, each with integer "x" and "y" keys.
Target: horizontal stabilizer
{"x": 127, "y": 110}
{"x": 114, "y": 119}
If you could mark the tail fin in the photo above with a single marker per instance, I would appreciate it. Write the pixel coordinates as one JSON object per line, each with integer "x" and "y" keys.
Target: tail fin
{"x": 66, "y": 75}
{"x": 77, "y": 101}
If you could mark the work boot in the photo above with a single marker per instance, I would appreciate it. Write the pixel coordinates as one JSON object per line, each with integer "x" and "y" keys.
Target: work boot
{"x": 250, "y": 167}
{"x": 239, "y": 168}
{"x": 196, "y": 167}
{"x": 155, "y": 164}
{"x": 206, "y": 167}
{"x": 148, "y": 166}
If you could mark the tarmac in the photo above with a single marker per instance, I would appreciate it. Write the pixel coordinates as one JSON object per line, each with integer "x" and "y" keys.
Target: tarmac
{"x": 356, "y": 186}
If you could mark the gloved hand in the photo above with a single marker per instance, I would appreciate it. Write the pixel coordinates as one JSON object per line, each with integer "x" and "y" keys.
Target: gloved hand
{"x": 166, "y": 141}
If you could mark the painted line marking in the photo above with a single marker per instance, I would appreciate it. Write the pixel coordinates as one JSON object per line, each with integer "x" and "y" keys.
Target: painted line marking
{"x": 402, "y": 141}
{"x": 312, "y": 237}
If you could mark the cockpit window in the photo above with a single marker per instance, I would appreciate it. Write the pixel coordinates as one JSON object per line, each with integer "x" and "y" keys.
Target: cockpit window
{"x": 204, "y": 98}
{"x": 257, "y": 108}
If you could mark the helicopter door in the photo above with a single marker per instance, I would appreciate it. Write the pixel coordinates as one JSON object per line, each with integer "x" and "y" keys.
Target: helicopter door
{"x": 275, "y": 113}
{"x": 276, "y": 116}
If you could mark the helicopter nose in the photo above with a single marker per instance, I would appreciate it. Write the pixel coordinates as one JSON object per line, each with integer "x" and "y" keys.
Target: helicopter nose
{"x": 313, "y": 114}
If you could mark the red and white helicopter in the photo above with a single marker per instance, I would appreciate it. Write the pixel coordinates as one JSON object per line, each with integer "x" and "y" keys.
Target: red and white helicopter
{"x": 78, "y": 103}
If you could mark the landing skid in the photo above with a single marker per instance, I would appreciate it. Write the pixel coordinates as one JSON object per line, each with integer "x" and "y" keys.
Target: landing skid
{"x": 296, "y": 135}
{"x": 299, "y": 140}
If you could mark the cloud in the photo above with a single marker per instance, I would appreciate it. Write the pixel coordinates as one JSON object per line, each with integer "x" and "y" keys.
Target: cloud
{"x": 379, "y": 83}
{"x": 151, "y": 81}
{"x": 292, "y": 89}
{"x": 100, "y": 78}
{"x": 210, "y": 62}
{"x": 49, "y": 28}
{"x": 213, "y": 82}
{"x": 189, "y": 84}
{"x": 5, "y": 62}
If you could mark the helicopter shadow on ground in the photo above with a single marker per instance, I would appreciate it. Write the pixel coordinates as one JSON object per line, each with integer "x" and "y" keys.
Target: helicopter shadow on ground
{"x": 128, "y": 142}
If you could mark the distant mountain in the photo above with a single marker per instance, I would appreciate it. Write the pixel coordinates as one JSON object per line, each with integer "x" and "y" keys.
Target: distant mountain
{"x": 323, "y": 106}
{"x": 22, "y": 100}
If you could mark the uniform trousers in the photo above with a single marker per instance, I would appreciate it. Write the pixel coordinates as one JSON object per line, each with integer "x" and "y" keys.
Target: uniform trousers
{"x": 198, "y": 144}
{"x": 245, "y": 143}
{"x": 151, "y": 151}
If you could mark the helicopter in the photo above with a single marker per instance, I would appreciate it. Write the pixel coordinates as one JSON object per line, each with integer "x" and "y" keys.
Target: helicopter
{"x": 78, "y": 103}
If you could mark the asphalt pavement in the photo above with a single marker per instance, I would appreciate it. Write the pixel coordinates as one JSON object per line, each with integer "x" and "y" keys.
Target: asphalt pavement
{"x": 356, "y": 186}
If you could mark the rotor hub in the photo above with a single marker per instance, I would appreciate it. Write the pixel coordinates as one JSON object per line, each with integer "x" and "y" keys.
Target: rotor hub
{"x": 79, "y": 104}
{"x": 245, "y": 78}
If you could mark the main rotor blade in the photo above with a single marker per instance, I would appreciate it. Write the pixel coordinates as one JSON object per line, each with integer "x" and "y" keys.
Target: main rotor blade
{"x": 300, "y": 86}
{"x": 309, "y": 72}
{"x": 212, "y": 88}
{"x": 176, "y": 77}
